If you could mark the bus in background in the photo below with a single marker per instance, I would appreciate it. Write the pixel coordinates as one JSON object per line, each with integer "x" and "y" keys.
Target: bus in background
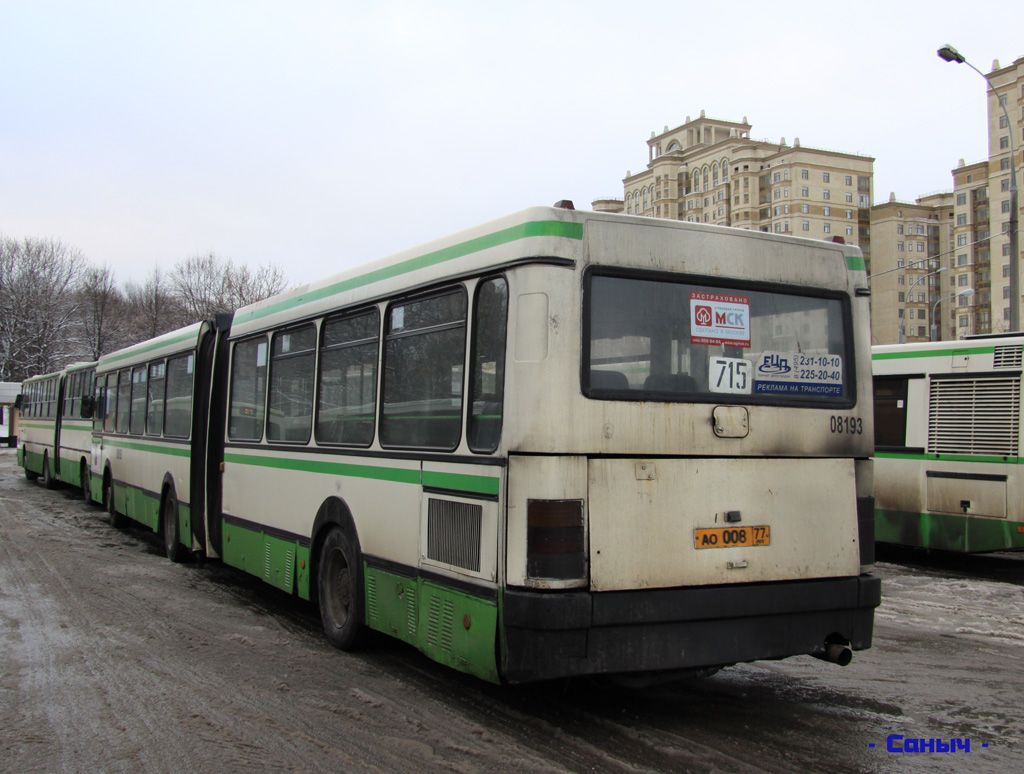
{"x": 947, "y": 444}
{"x": 55, "y": 428}
{"x": 149, "y": 434}
{"x": 562, "y": 443}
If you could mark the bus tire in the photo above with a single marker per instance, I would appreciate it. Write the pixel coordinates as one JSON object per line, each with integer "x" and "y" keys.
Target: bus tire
{"x": 83, "y": 480}
{"x": 340, "y": 590}
{"x": 170, "y": 528}
{"x": 116, "y": 519}
{"x": 48, "y": 480}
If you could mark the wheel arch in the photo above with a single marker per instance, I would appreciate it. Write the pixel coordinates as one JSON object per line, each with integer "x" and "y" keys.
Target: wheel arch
{"x": 333, "y": 513}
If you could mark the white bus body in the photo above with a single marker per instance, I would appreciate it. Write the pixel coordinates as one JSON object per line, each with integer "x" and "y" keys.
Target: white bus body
{"x": 948, "y": 429}
{"x": 561, "y": 443}
{"x": 55, "y": 437}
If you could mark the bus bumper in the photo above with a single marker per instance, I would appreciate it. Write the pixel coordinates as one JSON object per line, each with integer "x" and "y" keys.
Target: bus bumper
{"x": 551, "y": 635}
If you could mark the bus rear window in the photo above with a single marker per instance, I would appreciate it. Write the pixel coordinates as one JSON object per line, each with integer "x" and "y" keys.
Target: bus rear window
{"x": 662, "y": 340}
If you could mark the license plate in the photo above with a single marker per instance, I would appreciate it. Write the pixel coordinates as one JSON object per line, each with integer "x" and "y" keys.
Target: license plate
{"x": 732, "y": 537}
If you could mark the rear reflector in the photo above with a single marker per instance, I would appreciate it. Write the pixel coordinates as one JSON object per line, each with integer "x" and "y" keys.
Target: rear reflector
{"x": 554, "y": 539}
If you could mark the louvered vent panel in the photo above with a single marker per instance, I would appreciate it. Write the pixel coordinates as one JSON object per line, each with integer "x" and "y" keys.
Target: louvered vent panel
{"x": 974, "y": 416}
{"x": 440, "y": 622}
{"x": 453, "y": 533}
{"x": 371, "y": 596}
{"x": 1008, "y": 357}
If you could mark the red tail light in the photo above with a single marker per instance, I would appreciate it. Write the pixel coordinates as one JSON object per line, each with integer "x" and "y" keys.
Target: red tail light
{"x": 554, "y": 539}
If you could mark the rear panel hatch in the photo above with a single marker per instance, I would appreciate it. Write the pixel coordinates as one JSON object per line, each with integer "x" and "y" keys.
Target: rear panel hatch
{"x": 662, "y": 523}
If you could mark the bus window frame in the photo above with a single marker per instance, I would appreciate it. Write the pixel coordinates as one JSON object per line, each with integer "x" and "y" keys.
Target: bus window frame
{"x": 849, "y": 400}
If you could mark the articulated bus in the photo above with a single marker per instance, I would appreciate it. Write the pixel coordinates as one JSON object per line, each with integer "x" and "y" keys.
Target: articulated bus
{"x": 562, "y": 443}
{"x": 56, "y": 434}
{"x": 947, "y": 444}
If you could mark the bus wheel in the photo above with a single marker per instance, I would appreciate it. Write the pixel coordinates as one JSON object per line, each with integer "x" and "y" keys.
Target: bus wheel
{"x": 48, "y": 480}
{"x": 340, "y": 590}
{"x": 116, "y": 519}
{"x": 83, "y": 478}
{"x": 171, "y": 529}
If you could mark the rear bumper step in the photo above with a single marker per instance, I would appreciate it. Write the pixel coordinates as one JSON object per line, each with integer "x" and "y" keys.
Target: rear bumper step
{"x": 549, "y": 635}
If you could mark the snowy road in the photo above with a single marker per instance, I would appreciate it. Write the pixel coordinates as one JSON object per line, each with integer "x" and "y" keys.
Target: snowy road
{"x": 114, "y": 659}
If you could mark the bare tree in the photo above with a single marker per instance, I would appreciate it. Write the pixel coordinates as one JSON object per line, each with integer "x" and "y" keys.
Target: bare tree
{"x": 101, "y": 313}
{"x": 38, "y": 279}
{"x": 207, "y": 285}
{"x": 152, "y": 307}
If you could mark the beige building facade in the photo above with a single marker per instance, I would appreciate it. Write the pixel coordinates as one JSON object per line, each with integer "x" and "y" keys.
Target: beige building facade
{"x": 711, "y": 171}
{"x": 963, "y": 288}
{"x": 910, "y": 240}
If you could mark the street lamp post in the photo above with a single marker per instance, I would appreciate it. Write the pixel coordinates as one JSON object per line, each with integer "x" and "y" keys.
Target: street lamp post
{"x": 906, "y": 299}
{"x": 935, "y": 326}
{"x": 949, "y": 54}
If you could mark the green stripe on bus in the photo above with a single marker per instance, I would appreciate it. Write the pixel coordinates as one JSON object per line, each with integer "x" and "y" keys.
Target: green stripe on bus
{"x": 947, "y": 531}
{"x": 174, "y": 451}
{"x": 189, "y": 336}
{"x": 462, "y": 482}
{"x": 538, "y": 228}
{"x": 948, "y": 457}
{"x": 933, "y": 353}
{"x": 455, "y": 481}
{"x": 856, "y": 263}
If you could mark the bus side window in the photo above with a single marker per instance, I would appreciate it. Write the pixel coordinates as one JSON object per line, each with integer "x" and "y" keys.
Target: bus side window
{"x": 137, "y": 421}
{"x": 290, "y": 412}
{"x": 178, "y": 405}
{"x": 487, "y": 379}
{"x": 248, "y": 389}
{"x": 155, "y": 398}
{"x": 348, "y": 380}
{"x": 891, "y": 411}
{"x": 124, "y": 400}
{"x": 424, "y": 359}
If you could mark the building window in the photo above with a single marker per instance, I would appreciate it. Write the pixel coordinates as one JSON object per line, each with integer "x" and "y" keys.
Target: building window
{"x": 901, "y": 280}
{"x": 849, "y": 180}
{"x": 849, "y": 197}
{"x": 828, "y": 211}
{"x": 826, "y": 194}
{"x": 1004, "y": 142}
{"x": 828, "y": 228}
{"x": 961, "y": 280}
{"x": 804, "y": 209}
{"x": 805, "y": 225}
{"x": 849, "y": 231}
{"x": 804, "y": 174}
{"x": 961, "y": 260}
{"x": 899, "y": 247}
{"x": 804, "y": 191}
{"x": 902, "y": 297}
{"x": 961, "y": 199}
{"x": 825, "y": 177}
{"x": 849, "y": 214}
{"x": 899, "y": 228}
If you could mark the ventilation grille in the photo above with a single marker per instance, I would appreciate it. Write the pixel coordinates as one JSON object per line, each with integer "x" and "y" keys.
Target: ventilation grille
{"x": 1008, "y": 357}
{"x": 371, "y": 597}
{"x": 440, "y": 622}
{"x": 453, "y": 533}
{"x": 974, "y": 416}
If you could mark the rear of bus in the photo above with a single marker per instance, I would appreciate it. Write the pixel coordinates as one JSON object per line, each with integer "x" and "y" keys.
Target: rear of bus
{"x": 688, "y": 423}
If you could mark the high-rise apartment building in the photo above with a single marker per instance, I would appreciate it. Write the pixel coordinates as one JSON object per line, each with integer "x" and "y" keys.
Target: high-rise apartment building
{"x": 964, "y": 283}
{"x": 982, "y": 209}
{"x": 909, "y": 241}
{"x": 711, "y": 171}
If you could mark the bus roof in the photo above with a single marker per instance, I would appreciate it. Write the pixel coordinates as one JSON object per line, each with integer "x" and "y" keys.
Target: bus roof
{"x": 538, "y": 232}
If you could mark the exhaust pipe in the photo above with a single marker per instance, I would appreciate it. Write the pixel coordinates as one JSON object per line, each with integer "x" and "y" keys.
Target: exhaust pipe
{"x": 836, "y": 653}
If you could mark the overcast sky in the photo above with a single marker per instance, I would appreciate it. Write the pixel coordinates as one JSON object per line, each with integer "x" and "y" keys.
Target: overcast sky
{"x": 321, "y": 134}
